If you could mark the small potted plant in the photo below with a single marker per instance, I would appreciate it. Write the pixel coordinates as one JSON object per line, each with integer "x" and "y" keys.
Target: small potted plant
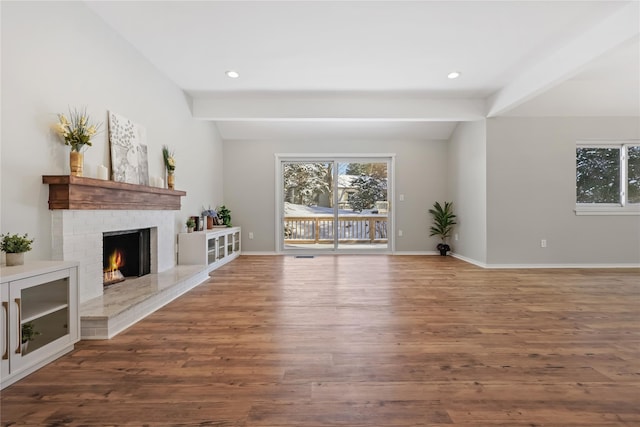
{"x": 191, "y": 224}
{"x": 15, "y": 246}
{"x": 443, "y": 222}
{"x": 225, "y": 215}
{"x": 29, "y": 333}
{"x": 170, "y": 165}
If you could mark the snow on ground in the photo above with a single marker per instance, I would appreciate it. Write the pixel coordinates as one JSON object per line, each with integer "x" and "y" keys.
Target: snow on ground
{"x": 291, "y": 209}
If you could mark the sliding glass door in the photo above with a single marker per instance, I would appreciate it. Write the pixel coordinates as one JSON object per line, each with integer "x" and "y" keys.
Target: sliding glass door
{"x": 334, "y": 204}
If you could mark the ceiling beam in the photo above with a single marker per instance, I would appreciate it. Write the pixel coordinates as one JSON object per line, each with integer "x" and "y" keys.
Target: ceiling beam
{"x": 343, "y": 107}
{"x": 567, "y": 61}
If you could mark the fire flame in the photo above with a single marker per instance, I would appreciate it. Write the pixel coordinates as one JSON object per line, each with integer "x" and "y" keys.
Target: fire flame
{"x": 116, "y": 260}
{"x": 112, "y": 273}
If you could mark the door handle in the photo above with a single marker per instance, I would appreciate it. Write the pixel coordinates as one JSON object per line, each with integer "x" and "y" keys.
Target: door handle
{"x": 5, "y": 305}
{"x": 19, "y": 347}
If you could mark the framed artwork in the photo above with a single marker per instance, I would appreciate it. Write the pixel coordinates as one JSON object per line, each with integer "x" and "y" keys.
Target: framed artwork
{"x": 128, "y": 142}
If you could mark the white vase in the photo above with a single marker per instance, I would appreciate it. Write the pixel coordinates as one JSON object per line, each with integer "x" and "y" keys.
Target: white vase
{"x": 15, "y": 259}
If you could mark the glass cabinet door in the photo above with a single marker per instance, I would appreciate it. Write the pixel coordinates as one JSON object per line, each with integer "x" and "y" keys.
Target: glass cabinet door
{"x": 41, "y": 308}
{"x": 211, "y": 250}
{"x": 221, "y": 247}
{"x": 236, "y": 241}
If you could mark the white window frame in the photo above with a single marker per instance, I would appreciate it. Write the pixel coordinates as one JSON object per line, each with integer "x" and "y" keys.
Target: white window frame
{"x": 337, "y": 157}
{"x": 622, "y": 208}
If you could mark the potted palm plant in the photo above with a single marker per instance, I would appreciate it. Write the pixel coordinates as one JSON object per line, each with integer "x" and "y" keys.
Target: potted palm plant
{"x": 15, "y": 246}
{"x": 443, "y": 222}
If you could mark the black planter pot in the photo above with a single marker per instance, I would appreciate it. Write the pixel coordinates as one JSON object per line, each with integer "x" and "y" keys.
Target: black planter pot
{"x": 443, "y": 248}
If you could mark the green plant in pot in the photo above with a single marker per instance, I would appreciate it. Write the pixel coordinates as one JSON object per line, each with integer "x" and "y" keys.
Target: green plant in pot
{"x": 29, "y": 333}
{"x": 15, "y": 246}
{"x": 443, "y": 221}
{"x": 225, "y": 215}
{"x": 191, "y": 224}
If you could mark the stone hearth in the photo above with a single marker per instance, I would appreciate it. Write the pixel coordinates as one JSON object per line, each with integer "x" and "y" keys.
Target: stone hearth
{"x": 125, "y": 303}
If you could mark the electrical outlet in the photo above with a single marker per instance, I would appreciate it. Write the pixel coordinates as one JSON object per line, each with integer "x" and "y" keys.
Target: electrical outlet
{"x": 401, "y": 197}
{"x": 543, "y": 243}
{"x": 251, "y": 235}
{"x": 455, "y": 237}
{"x": 399, "y": 233}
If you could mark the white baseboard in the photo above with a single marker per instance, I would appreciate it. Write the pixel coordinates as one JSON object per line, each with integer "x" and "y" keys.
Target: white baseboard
{"x": 563, "y": 266}
{"x": 522, "y": 266}
{"x": 260, "y": 253}
{"x": 469, "y": 260}
{"x": 473, "y": 261}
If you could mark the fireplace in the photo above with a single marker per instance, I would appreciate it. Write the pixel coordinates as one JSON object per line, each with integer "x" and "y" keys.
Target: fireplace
{"x": 125, "y": 253}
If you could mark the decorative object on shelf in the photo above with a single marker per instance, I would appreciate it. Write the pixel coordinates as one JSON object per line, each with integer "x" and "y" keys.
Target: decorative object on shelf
{"x": 443, "y": 222}
{"x": 210, "y": 215}
{"x": 29, "y": 333}
{"x": 103, "y": 173}
{"x": 156, "y": 181}
{"x": 225, "y": 215}
{"x": 170, "y": 164}
{"x": 76, "y": 163}
{"x": 76, "y": 131}
{"x": 197, "y": 221}
{"x": 129, "y": 162}
{"x": 15, "y": 246}
{"x": 191, "y": 224}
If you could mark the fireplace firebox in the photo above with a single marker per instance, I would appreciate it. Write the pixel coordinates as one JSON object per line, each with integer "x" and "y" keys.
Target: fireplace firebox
{"x": 125, "y": 254}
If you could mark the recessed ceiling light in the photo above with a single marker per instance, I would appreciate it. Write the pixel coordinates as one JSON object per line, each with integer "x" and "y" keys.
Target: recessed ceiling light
{"x": 232, "y": 74}
{"x": 453, "y": 75}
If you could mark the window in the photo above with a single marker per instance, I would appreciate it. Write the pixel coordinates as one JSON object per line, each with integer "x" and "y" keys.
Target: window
{"x": 608, "y": 177}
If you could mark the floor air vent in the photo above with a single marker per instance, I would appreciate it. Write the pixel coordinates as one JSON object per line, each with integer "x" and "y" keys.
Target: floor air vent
{"x": 304, "y": 256}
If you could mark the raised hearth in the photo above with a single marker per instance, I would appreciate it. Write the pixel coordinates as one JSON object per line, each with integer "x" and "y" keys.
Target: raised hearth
{"x": 125, "y": 303}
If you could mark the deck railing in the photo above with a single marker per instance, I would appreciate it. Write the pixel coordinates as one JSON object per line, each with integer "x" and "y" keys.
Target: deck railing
{"x": 350, "y": 229}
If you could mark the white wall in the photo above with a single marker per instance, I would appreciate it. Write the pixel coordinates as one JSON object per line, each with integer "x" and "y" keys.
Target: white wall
{"x": 249, "y": 185}
{"x": 531, "y": 195}
{"x": 467, "y": 188}
{"x": 57, "y": 55}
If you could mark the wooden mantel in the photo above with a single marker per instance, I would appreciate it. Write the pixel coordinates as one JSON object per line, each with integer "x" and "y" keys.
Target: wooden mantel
{"x": 73, "y": 192}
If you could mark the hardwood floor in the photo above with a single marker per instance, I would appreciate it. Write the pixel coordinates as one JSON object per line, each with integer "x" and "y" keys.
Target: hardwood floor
{"x": 360, "y": 341}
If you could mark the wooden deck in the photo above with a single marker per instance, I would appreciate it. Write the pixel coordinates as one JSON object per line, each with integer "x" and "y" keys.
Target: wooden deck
{"x": 349, "y": 229}
{"x": 360, "y": 341}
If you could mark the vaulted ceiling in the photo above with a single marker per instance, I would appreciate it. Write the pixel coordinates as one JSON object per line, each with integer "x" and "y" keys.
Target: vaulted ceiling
{"x": 378, "y": 69}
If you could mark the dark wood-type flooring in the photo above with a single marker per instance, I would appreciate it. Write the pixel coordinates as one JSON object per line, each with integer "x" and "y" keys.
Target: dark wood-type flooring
{"x": 360, "y": 341}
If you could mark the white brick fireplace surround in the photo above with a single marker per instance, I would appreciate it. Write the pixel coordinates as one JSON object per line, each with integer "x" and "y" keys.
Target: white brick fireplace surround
{"x": 77, "y": 236}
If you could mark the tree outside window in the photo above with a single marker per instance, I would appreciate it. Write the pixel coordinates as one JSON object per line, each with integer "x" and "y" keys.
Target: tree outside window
{"x": 608, "y": 174}
{"x": 633, "y": 168}
{"x": 598, "y": 175}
